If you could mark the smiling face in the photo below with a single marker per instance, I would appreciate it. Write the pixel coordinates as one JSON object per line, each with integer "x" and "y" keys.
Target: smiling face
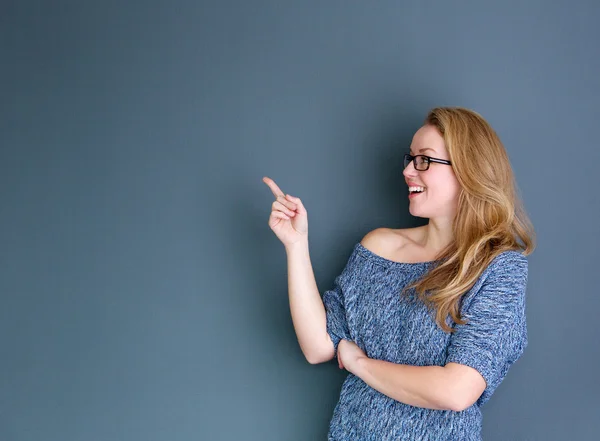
{"x": 440, "y": 197}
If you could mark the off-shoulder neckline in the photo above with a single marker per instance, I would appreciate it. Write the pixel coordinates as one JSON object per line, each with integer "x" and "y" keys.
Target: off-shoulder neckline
{"x": 388, "y": 262}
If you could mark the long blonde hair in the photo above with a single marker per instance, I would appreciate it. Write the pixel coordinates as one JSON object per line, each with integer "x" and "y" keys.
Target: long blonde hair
{"x": 490, "y": 218}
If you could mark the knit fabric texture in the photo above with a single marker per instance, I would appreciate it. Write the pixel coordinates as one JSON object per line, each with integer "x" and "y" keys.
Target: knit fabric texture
{"x": 365, "y": 307}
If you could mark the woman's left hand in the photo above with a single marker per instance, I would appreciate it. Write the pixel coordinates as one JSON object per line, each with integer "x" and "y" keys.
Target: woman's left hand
{"x": 348, "y": 354}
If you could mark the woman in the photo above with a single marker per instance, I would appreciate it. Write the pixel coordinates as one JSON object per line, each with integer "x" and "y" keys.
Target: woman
{"x": 426, "y": 320}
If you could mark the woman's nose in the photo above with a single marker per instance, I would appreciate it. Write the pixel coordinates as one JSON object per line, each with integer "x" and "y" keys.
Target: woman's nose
{"x": 409, "y": 170}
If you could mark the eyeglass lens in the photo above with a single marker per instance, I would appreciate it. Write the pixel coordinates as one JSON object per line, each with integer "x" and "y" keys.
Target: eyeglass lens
{"x": 421, "y": 162}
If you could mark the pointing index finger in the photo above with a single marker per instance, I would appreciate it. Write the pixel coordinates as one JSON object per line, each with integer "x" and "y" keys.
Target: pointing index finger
{"x": 273, "y": 186}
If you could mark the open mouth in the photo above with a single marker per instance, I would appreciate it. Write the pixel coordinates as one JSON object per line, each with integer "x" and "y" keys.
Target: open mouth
{"x": 412, "y": 194}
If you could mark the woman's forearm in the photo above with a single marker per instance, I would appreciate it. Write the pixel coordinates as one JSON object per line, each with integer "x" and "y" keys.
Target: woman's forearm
{"x": 420, "y": 386}
{"x": 306, "y": 305}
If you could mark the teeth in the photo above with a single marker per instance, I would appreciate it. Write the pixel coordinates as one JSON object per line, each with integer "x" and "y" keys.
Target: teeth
{"x": 412, "y": 189}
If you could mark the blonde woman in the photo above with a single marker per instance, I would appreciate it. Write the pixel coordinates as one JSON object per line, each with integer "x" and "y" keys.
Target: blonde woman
{"x": 426, "y": 320}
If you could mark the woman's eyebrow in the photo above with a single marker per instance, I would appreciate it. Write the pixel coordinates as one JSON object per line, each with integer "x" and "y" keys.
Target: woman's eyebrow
{"x": 423, "y": 149}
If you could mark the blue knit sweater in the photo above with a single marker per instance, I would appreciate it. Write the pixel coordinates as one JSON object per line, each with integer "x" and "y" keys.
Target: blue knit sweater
{"x": 365, "y": 307}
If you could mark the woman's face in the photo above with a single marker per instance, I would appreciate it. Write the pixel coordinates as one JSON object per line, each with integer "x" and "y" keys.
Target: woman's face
{"x": 440, "y": 198}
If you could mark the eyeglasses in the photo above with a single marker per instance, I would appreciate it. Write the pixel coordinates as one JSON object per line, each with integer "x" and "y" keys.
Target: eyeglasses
{"x": 421, "y": 162}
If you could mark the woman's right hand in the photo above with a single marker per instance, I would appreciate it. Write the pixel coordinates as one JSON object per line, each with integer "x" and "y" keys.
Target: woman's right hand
{"x": 289, "y": 219}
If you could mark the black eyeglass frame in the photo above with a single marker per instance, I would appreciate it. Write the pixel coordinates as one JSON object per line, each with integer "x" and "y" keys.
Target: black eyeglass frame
{"x": 408, "y": 158}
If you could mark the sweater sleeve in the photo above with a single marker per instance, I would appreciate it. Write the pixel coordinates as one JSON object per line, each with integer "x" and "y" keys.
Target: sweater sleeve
{"x": 495, "y": 334}
{"x": 335, "y": 310}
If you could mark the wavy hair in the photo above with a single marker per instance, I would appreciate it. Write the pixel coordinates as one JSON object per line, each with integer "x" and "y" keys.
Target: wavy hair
{"x": 490, "y": 218}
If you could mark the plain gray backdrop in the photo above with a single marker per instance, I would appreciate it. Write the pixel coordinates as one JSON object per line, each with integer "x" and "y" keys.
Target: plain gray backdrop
{"x": 143, "y": 295}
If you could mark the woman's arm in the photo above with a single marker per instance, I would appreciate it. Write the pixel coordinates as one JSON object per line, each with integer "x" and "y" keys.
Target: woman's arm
{"x": 306, "y": 306}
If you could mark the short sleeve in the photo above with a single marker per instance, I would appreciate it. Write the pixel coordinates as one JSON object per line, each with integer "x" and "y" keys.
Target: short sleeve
{"x": 495, "y": 335}
{"x": 335, "y": 310}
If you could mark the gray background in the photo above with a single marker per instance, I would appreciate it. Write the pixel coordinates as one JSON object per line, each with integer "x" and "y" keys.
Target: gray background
{"x": 143, "y": 295}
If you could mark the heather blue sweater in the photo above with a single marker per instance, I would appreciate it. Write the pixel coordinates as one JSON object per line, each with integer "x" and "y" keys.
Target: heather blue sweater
{"x": 365, "y": 307}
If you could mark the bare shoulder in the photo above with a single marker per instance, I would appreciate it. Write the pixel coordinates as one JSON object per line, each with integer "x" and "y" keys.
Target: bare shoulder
{"x": 394, "y": 244}
{"x": 387, "y": 241}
